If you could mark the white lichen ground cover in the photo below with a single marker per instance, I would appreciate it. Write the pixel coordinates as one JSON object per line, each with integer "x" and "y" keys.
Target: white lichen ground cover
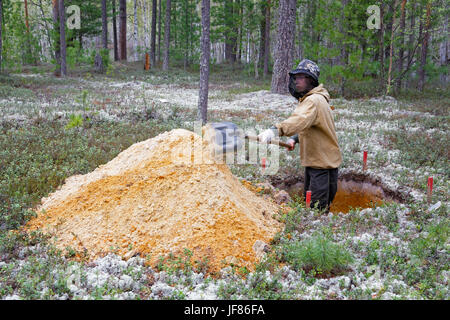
{"x": 379, "y": 238}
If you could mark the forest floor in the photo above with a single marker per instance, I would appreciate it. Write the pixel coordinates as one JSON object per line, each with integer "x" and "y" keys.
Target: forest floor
{"x": 53, "y": 128}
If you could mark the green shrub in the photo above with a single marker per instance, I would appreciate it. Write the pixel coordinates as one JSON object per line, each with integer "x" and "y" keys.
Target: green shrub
{"x": 318, "y": 255}
{"x": 76, "y": 120}
{"x": 434, "y": 239}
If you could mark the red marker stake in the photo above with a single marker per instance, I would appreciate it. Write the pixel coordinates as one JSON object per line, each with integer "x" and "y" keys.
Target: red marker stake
{"x": 365, "y": 160}
{"x": 429, "y": 189}
{"x": 263, "y": 163}
{"x": 308, "y": 199}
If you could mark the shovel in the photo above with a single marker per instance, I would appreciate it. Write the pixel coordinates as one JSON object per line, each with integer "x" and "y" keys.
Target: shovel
{"x": 228, "y": 137}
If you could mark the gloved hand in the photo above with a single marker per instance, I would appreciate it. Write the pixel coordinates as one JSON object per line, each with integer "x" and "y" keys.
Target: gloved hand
{"x": 266, "y": 135}
{"x": 292, "y": 142}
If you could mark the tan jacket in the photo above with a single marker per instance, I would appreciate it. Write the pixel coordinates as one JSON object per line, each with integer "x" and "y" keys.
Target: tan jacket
{"x": 313, "y": 121}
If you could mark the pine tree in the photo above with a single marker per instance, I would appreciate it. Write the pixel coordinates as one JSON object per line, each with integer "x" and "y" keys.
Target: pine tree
{"x": 57, "y": 47}
{"x": 204, "y": 62}
{"x": 425, "y": 43}
{"x": 267, "y": 39}
{"x": 159, "y": 29}
{"x": 135, "y": 32}
{"x": 1, "y": 36}
{"x": 104, "y": 25}
{"x": 167, "y": 36}
{"x": 283, "y": 49}
{"x": 402, "y": 44}
{"x": 153, "y": 35}
{"x": 114, "y": 24}
{"x": 123, "y": 29}
{"x": 62, "y": 33}
{"x": 91, "y": 15}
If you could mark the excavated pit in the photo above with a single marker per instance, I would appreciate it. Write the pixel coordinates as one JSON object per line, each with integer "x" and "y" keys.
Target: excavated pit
{"x": 354, "y": 191}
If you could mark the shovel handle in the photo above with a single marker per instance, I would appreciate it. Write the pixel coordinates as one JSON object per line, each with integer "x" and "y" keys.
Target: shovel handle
{"x": 278, "y": 142}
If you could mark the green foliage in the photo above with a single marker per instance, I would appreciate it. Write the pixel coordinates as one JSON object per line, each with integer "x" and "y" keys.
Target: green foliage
{"x": 431, "y": 241}
{"x": 19, "y": 46}
{"x": 185, "y": 32}
{"x": 76, "y": 120}
{"x": 318, "y": 255}
{"x": 75, "y": 55}
{"x": 36, "y": 160}
{"x": 420, "y": 148}
{"x": 182, "y": 263}
{"x": 91, "y": 14}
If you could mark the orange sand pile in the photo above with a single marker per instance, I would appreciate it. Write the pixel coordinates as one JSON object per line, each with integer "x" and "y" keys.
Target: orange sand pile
{"x": 155, "y": 198}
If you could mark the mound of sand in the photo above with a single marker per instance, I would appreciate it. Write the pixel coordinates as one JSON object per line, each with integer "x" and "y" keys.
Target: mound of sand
{"x": 155, "y": 198}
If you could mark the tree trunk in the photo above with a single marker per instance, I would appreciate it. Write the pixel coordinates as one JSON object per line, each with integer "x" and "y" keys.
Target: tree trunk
{"x": 230, "y": 37}
{"x": 123, "y": 29}
{"x": 381, "y": 46}
{"x": 204, "y": 63}
{"x": 135, "y": 33}
{"x": 114, "y": 23}
{"x": 153, "y": 35}
{"x": 28, "y": 36}
{"x": 186, "y": 35}
{"x": 167, "y": 36}
{"x": 56, "y": 26}
{"x": 300, "y": 34}
{"x": 255, "y": 59}
{"x": 104, "y": 25}
{"x": 1, "y": 34}
{"x": 284, "y": 45}
{"x": 174, "y": 22}
{"x": 47, "y": 29}
{"x": 344, "y": 52}
{"x": 443, "y": 53}
{"x": 62, "y": 37}
{"x": 239, "y": 41}
{"x": 191, "y": 30}
{"x": 391, "y": 50}
{"x": 423, "y": 57}
{"x": 402, "y": 44}
{"x": 159, "y": 30}
{"x": 262, "y": 32}
{"x": 411, "y": 38}
{"x": 267, "y": 40}
{"x": 146, "y": 26}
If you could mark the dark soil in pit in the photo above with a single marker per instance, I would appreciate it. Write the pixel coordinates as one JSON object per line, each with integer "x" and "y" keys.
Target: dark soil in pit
{"x": 354, "y": 191}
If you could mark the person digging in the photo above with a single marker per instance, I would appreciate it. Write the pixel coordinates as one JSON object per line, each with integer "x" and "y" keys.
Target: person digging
{"x": 311, "y": 125}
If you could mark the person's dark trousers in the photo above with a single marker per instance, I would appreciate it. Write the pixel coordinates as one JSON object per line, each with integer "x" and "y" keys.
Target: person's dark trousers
{"x": 323, "y": 186}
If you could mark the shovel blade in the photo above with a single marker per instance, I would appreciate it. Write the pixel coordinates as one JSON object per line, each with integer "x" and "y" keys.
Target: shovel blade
{"x": 226, "y": 136}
